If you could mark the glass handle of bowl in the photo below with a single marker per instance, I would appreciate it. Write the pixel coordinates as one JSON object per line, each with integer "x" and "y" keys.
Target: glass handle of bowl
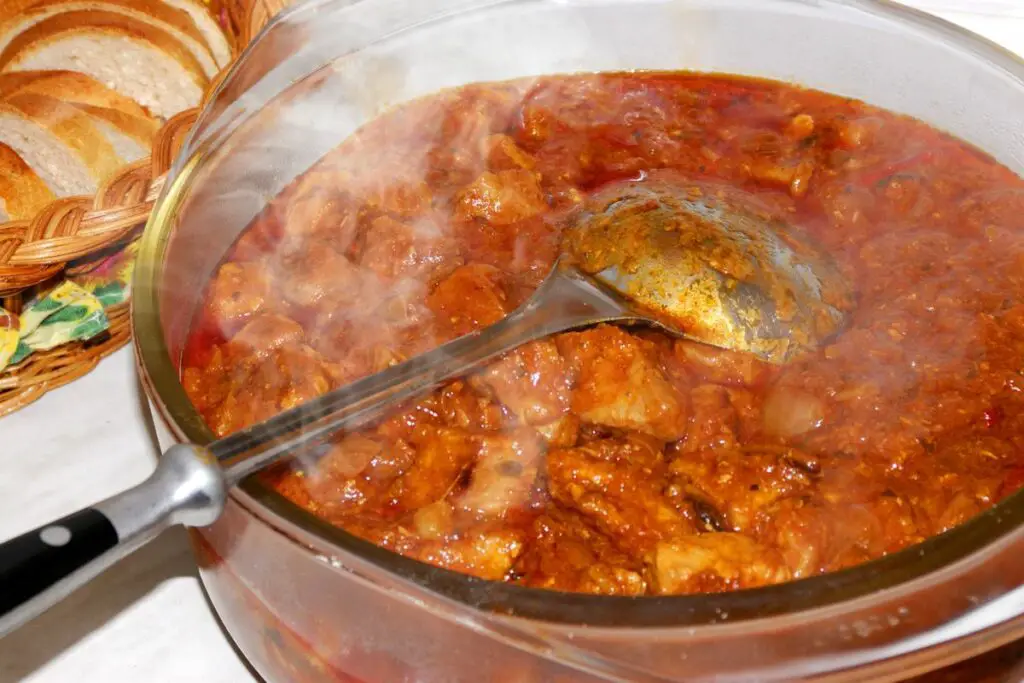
{"x": 41, "y": 567}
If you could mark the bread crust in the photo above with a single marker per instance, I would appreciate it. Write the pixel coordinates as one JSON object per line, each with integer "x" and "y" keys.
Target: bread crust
{"x": 69, "y": 86}
{"x": 93, "y": 22}
{"x": 221, "y": 44}
{"x": 72, "y": 127}
{"x": 176, "y": 23}
{"x": 23, "y": 192}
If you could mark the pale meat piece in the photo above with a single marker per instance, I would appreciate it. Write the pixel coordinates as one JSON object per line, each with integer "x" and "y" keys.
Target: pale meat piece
{"x": 442, "y": 455}
{"x": 471, "y": 298}
{"x": 532, "y": 382}
{"x": 239, "y": 291}
{"x": 715, "y": 562}
{"x": 618, "y": 486}
{"x": 618, "y": 383}
{"x": 420, "y": 249}
{"x": 504, "y": 475}
{"x": 501, "y": 198}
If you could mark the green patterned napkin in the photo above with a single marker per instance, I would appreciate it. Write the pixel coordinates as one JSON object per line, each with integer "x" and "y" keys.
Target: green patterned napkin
{"x": 74, "y": 310}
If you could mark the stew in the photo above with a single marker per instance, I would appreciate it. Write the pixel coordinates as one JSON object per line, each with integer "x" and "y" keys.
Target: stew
{"x": 617, "y": 460}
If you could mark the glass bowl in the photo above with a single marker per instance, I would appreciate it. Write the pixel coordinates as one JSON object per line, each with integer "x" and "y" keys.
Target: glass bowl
{"x": 308, "y": 602}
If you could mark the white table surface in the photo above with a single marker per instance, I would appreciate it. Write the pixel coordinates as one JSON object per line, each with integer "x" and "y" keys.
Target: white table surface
{"x": 147, "y": 620}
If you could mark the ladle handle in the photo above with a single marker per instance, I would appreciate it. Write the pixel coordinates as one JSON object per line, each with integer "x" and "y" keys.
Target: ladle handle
{"x": 41, "y": 567}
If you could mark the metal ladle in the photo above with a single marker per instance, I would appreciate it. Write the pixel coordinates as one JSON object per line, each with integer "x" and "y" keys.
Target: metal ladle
{"x": 698, "y": 263}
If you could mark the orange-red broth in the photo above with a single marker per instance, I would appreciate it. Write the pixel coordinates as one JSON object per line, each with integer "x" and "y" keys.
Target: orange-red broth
{"x": 619, "y": 461}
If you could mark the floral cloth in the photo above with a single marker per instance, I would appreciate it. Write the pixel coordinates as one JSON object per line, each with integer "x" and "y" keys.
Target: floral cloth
{"x": 72, "y": 311}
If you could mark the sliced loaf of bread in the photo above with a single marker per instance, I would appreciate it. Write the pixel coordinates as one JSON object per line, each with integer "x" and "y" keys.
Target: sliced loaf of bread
{"x": 61, "y": 143}
{"x": 129, "y": 56}
{"x": 207, "y": 25}
{"x": 155, "y": 13}
{"x": 22, "y": 192}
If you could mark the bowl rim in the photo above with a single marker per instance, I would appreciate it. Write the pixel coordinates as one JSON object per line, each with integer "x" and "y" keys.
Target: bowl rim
{"x": 897, "y": 569}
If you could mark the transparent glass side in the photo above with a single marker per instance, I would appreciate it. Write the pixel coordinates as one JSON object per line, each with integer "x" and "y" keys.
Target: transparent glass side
{"x": 325, "y": 67}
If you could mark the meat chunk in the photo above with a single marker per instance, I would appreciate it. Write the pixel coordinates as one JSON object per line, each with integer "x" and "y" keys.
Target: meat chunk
{"x": 442, "y": 454}
{"x": 238, "y": 292}
{"x": 487, "y": 553}
{"x": 503, "y": 154}
{"x": 562, "y": 433}
{"x": 501, "y": 198}
{"x": 568, "y": 554}
{"x": 741, "y": 485}
{"x": 710, "y": 563}
{"x": 399, "y": 196}
{"x": 354, "y": 471}
{"x": 470, "y": 298}
{"x": 532, "y": 382}
{"x": 618, "y": 383}
{"x": 713, "y": 423}
{"x": 618, "y": 486}
{"x": 260, "y": 387}
{"x": 264, "y": 334}
{"x": 504, "y": 475}
{"x": 457, "y": 406}
{"x": 720, "y": 366}
{"x": 370, "y": 335}
{"x": 319, "y": 211}
{"x": 419, "y": 249}
{"x": 318, "y": 275}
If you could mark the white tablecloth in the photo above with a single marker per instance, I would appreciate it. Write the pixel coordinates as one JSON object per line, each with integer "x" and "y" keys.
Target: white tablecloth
{"x": 146, "y": 620}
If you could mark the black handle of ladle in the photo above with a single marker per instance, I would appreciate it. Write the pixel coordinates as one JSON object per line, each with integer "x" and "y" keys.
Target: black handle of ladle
{"x": 41, "y": 567}
{"x": 36, "y": 560}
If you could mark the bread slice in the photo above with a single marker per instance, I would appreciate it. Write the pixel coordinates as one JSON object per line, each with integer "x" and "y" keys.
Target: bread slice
{"x": 124, "y": 124}
{"x": 69, "y": 86}
{"x": 129, "y": 56}
{"x": 130, "y": 136}
{"x": 207, "y": 25}
{"x": 61, "y": 143}
{"x": 155, "y": 13}
{"x": 22, "y": 193}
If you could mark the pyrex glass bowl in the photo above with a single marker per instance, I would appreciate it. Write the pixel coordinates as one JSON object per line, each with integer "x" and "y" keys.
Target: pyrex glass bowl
{"x": 308, "y": 602}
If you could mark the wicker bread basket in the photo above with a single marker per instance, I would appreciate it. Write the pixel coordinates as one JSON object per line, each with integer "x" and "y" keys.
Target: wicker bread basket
{"x": 71, "y": 229}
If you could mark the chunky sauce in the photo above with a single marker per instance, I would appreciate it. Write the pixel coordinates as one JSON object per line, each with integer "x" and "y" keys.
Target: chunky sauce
{"x": 619, "y": 461}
